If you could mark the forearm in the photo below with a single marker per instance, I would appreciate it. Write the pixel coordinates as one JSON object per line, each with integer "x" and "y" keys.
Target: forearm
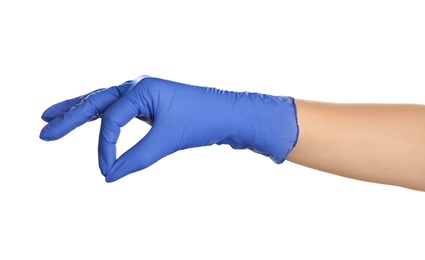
{"x": 382, "y": 143}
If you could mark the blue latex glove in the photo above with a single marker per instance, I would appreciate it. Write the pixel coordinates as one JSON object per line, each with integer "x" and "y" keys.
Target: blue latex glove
{"x": 182, "y": 116}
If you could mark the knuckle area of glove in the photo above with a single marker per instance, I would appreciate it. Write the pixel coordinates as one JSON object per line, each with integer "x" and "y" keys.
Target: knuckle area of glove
{"x": 146, "y": 91}
{"x": 148, "y": 85}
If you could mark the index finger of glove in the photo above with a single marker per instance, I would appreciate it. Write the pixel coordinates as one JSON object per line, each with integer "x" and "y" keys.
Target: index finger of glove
{"x": 115, "y": 117}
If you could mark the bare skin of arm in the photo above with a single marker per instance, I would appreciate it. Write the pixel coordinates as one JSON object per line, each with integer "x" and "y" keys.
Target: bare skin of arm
{"x": 381, "y": 143}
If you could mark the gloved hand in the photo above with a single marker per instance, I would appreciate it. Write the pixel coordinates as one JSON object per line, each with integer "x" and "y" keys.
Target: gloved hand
{"x": 182, "y": 116}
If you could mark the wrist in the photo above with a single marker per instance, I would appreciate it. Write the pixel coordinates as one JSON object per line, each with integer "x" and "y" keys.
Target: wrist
{"x": 265, "y": 124}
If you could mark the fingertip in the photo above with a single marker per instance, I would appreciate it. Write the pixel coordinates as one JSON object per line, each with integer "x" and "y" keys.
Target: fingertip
{"x": 104, "y": 166}
{"x": 47, "y": 135}
{"x": 109, "y": 179}
{"x": 116, "y": 173}
{"x": 45, "y": 118}
{"x": 122, "y": 167}
{"x": 106, "y": 153}
{"x": 43, "y": 136}
{"x": 47, "y": 115}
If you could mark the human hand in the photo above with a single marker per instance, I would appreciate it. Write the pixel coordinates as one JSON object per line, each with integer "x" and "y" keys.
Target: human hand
{"x": 182, "y": 116}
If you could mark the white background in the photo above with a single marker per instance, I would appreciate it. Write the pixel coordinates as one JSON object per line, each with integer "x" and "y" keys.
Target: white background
{"x": 211, "y": 202}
